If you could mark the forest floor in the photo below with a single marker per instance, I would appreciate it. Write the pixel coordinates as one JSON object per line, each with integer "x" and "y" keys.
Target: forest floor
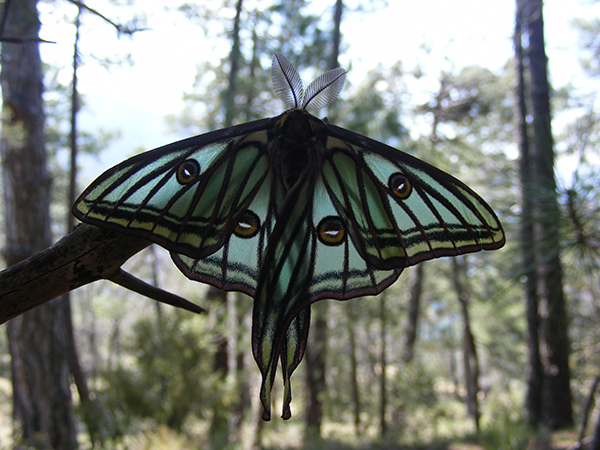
{"x": 563, "y": 440}
{"x": 160, "y": 438}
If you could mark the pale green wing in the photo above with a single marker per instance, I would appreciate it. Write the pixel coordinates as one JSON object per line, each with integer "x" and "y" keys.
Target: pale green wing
{"x": 400, "y": 210}
{"x": 188, "y": 196}
{"x": 235, "y": 265}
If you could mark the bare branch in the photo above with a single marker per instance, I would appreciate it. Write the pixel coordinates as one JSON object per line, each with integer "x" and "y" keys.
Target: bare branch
{"x": 132, "y": 283}
{"x": 23, "y": 40}
{"x": 87, "y": 254}
{"x": 119, "y": 27}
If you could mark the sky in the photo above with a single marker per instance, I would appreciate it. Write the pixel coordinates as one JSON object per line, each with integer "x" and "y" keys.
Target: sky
{"x": 136, "y": 98}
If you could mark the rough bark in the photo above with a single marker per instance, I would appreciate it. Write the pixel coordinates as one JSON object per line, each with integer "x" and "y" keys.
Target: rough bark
{"x": 533, "y": 401}
{"x": 87, "y": 254}
{"x": 42, "y": 408}
{"x": 554, "y": 341}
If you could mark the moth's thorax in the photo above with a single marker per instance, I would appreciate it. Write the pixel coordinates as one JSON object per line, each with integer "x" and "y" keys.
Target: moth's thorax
{"x": 297, "y": 145}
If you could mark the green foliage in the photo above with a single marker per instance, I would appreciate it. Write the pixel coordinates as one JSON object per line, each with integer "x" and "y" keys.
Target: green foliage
{"x": 375, "y": 110}
{"x": 169, "y": 375}
{"x": 507, "y": 433}
{"x": 413, "y": 393}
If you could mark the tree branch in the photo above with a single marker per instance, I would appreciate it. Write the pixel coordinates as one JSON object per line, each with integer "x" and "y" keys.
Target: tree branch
{"x": 125, "y": 29}
{"x": 132, "y": 283}
{"x": 87, "y": 254}
{"x": 23, "y": 40}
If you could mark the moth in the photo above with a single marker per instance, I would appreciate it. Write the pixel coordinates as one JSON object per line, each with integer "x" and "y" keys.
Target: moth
{"x": 290, "y": 210}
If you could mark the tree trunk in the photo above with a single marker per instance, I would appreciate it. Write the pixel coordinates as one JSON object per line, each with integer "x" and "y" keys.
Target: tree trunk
{"x": 337, "y": 35}
{"x": 91, "y": 414}
{"x": 316, "y": 351}
{"x": 41, "y": 396}
{"x": 595, "y": 445}
{"x": 554, "y": 342}
{"x": 470, "y": 361}
{"x": 383, "y": 366}
{"x": 533, "y": 401}
{"x": 219, "y": 425}
{"x": 354, "y": 370}
{"x": 589, "y": 404}
{"x": 243, "y": 402}
{"x": 231, "y": 110}
{"x": 410, "y": 336}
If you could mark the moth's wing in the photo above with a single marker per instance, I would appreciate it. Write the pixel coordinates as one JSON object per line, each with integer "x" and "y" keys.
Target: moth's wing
{"x": 340, "y": 270}
{"x": 234, "y": 266}
{"x": 187, "y": 196}
{"x": 400, "y": 210}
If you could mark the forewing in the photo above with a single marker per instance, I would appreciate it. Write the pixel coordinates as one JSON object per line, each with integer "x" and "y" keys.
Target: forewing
{"x": 187, "y": 196}
{"x": 401, "y": 210}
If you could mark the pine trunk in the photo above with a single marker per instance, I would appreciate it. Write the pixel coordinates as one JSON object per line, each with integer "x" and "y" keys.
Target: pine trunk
{"x": 470, "y": 361}
{"x": 315, "y": 371}
{"x": 41, "y": 395}
{"x": 595, "y": 445}
{"x": 91, "y": 414}
{"x": 410, "y": 336}
{"x": 554, "y": 341}
{"x": 533, "y": 401}
{"x": 383, "y": 364}
{"x": 354, "y": 370}
{"x": 220, "y": 423}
